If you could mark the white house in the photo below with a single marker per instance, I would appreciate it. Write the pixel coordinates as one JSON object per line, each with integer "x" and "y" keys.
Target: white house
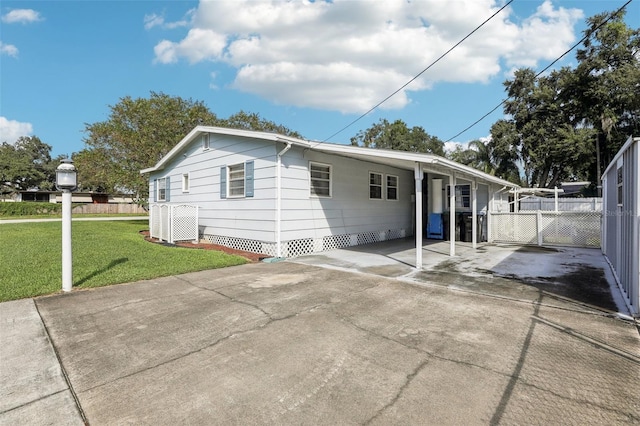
{"x": 621, "y": 220}
{"x": 283, "y": 196}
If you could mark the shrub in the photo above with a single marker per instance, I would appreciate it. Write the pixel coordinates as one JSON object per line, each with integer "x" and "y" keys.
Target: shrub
{"x": 30, "y": 208}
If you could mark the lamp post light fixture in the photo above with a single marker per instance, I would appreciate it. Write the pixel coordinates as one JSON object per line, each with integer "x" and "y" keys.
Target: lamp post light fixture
{"x": 66, "y": 182}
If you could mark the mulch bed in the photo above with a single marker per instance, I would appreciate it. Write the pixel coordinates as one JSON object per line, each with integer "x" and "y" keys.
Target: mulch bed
{"x": 252, "y": 257}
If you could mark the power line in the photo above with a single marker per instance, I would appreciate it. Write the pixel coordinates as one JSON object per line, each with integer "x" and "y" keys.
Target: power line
{"x": 418, "y": 75}
{"x": 545, "y": 68}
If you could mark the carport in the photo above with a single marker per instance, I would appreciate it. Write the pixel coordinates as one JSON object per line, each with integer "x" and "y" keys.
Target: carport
{"x": 495, "y": 190}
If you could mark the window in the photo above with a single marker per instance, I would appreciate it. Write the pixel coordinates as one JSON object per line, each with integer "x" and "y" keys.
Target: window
{"x": 236, "y": 180}
{"x": 320, "y": 179}
{"x": 463, "y": 196}
{"x": 620, "y": 181}
{"x": 206, "y": 141}
{"x": 392, "y": 187}
{"x": 162, "y": 192}
{"x": 375, "y": 186}
{"x": 185, "y": 182}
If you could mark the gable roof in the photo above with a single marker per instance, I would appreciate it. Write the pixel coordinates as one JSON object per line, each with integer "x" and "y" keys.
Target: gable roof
{"x": 400, "y": 159}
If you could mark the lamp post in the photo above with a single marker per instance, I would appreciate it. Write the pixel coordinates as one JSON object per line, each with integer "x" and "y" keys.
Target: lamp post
{"x": 66, "y": 182}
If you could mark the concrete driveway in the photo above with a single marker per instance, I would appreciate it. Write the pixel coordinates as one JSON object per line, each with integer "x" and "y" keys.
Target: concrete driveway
{"x": 293, "y": 343}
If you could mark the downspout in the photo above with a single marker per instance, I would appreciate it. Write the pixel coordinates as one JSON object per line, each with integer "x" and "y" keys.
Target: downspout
{"x": 279, "y": 199}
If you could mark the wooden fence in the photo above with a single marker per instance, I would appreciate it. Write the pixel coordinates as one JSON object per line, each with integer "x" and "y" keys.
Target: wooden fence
{"x": 109, "y": 209}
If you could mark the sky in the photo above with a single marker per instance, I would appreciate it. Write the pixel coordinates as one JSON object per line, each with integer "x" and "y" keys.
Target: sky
{"x": 312, "y": 66}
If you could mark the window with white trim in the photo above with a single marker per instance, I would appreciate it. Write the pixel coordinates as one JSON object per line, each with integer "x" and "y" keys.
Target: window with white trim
{"x": 206, "y": 141}
{"x": 320, "y": 179}
{"x": 392, "y": 187}
{"x": 162, "y": 189}
{"x": 185, "y": 182}
{"x": 463, "y": 196}
{"x": 235, "y": 181}
{"x": 375, "y": 186}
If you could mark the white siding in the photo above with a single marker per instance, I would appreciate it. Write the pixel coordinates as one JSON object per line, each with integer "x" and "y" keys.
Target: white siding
{"x": 621, "y": 223}
{"x": 250, "y": 217}
{"x": 349, "y": 209}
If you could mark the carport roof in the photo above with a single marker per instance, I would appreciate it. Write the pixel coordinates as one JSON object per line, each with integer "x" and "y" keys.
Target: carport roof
{"x": 400, "y": 159}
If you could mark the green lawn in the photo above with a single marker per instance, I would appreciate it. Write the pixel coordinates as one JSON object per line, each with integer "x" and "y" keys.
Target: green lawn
{"x": 104, "y": 253}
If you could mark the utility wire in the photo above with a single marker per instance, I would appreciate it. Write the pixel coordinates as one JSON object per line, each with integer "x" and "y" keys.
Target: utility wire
{"x": 545, "y": 68}
{"x": 418, "y": 75}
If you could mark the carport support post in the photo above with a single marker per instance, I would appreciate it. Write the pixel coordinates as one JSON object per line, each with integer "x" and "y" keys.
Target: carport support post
{"x": 418, "y": 177}
{"x": 452, "y": 216}
{"x": 474, "y": 214}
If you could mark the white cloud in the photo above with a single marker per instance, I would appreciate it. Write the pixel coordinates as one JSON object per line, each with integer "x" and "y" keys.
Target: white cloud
{"x": 8, "y": 49}
{"x": 11, "y": 130}
{"x": 155, "y": 20}
{"x": 348, "y": 55}
{"x": 22, "y": 16}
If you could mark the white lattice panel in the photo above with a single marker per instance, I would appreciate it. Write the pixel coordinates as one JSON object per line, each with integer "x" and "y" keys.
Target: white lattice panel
{"x": 368, "y": 237}
{"x": 332, "y": 242}
{"x": 572, "y": 228}
{"x": 299, "y": 247}
{"x": 253, "y": 246}
{"x": 514, "y": 227}
{"x": 394, "y": 234}
{"x": 184, "y": 222}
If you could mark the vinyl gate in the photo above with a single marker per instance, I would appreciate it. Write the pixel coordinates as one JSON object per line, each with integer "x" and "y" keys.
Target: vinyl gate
{"x": 578, "y": 229}
{"x": 173, "y": 222}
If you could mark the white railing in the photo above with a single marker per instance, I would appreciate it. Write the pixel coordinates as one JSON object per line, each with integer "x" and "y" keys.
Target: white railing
{"x": 173, "y": 222}
{"x": 579, "y": 229}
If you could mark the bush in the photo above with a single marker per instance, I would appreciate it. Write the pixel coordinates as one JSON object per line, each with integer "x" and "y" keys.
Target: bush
{"x": 30, "y": 208}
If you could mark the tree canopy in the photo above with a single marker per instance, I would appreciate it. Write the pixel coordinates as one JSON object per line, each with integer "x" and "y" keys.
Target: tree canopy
{"x": 139, "y": 132}
{"x": 27, "y": 164}
{"x": 398, "y": 136}
{"x": 559, "y": 125}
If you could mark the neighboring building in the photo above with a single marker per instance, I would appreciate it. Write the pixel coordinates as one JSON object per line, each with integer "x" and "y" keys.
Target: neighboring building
{"x": 284, "y": 196}
{"x": 621, "y": 224}
{"x": 77, "y": 197}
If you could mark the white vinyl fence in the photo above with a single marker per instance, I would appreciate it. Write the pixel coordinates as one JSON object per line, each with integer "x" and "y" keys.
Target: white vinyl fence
{"x": 579, "y": 229}
{"x": 173, "y": 222}
{"x": 564, "y": 204}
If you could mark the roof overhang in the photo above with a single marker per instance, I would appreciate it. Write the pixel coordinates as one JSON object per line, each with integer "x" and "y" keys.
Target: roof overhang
{"x": 400, "y": 159}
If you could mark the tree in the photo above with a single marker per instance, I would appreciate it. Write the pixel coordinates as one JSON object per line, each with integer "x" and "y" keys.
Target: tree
{"x": 252, "y": 121}
{"x": 137, "y": 134}
{"x": 561, "y": 125}
{"x": 608, "y": 80}
{"x": 398, "y": 136}
{"x": 26, "y": 165}
{"x": 544, "y": 133}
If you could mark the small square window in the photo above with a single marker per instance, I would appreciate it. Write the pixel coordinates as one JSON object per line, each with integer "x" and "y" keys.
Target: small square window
{"x": 375, "y": 186}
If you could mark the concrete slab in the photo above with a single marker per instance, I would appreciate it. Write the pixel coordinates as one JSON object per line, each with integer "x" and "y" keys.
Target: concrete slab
{"x": 506, "y": 270}
{"x": 33, "y": 389}
{"x": 291, "y": 343}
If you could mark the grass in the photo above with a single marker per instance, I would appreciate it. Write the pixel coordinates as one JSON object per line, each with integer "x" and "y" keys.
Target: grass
{"x": 104, "y": 253}
{"x": 75, "y": 215}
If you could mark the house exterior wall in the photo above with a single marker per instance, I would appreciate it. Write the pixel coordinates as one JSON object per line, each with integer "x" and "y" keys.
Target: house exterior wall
{"x": 348, "y": 210}
{"x": 243, "y": 218}
{"x": 621, "y": 220}
{"x": 308, "y": 223}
